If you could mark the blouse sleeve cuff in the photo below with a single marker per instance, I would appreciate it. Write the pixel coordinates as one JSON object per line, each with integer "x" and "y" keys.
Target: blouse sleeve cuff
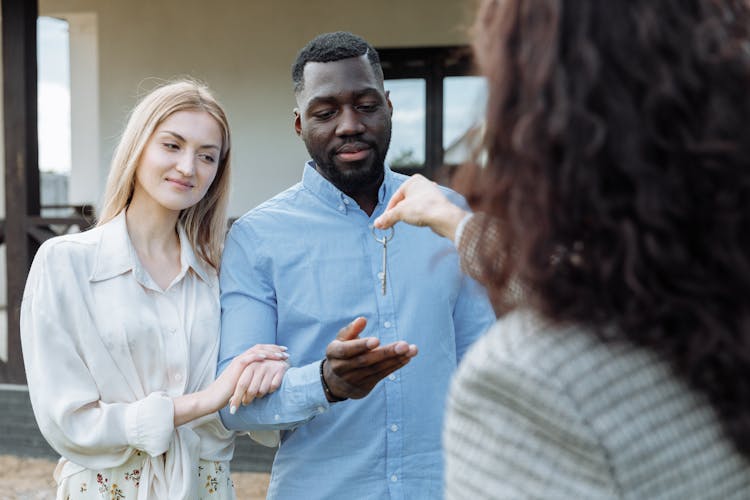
{"x": 460, "y": 228}
{"x": 150, "y": 423}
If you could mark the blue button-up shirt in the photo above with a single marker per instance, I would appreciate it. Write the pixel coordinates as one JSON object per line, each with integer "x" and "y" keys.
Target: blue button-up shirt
{"x": 298, "y": 268}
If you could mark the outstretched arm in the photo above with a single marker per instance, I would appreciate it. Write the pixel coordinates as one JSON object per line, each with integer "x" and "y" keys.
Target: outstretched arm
{"x": 420, "y": 202}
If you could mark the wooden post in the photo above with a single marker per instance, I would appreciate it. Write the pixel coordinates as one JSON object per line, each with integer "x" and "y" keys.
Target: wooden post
{"x": 434, "y": 124}
{"x": 19, "y": 19}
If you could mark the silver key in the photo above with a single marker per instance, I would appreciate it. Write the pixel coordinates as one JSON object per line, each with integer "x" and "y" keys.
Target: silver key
{"x": 383, "y": 241}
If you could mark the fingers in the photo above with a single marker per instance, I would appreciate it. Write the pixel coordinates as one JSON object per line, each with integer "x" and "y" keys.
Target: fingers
{"x": 350, "y": 349}
{"x": 388, "y": 218}
{"x": 257, "y": 381}
{"x": 398, "y": 196}
{"x": 269, "y": 351}
{"x": 276, "y": 381}
{"x": 355, "y": 377}
{"x": 352, "y": 330}
{"x": 254, "y": 387}
{"x": 240, "y": 389}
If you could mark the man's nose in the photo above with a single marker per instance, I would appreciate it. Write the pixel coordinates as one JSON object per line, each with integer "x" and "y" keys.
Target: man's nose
{"x": 350, "y": 122}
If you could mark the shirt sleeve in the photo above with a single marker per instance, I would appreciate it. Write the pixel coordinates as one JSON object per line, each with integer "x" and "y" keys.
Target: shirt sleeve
{"x": 511, "y": 432}
{"x": 64, "y": 395}
{"x": 249, "y": 317}
{"x": 472, "y": 315}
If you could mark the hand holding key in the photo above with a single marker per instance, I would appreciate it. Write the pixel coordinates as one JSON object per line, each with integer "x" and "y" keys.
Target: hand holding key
{"x": 420, "y": 202}
{"x": 353, "y": 366}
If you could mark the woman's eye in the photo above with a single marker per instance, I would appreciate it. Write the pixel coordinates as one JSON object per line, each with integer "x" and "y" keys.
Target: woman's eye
{"x": 208, "y": 158}
{"x": 171, "y": 145}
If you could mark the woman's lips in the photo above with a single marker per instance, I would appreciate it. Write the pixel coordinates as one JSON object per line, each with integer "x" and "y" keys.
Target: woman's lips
{"x": 180, "y": 184}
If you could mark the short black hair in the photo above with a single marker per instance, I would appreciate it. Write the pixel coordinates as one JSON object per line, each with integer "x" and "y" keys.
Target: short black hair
{"x": 330, "y": 47}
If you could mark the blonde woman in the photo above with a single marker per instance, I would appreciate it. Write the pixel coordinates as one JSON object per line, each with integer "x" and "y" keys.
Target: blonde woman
{"x": 120, "y": 324}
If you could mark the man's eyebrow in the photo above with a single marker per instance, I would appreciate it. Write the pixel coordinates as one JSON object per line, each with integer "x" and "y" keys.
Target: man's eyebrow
{"x": 180, "y": 138}
{"x": 329, "y": 99}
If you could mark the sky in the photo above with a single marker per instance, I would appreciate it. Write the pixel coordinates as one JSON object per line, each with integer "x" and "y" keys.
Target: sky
{"x": 53, "y": 66}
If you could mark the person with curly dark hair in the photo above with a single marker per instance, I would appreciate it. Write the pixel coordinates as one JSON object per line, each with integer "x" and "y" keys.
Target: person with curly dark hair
{"x": 615, "y": 214}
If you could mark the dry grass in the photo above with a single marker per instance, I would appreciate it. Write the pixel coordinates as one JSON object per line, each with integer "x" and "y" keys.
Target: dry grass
{"x": 31, "y": 479}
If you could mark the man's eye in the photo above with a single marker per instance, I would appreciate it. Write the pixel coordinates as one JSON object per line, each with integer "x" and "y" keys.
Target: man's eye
{"x": 324, "y": 115}
{"x": 367, "y": 108}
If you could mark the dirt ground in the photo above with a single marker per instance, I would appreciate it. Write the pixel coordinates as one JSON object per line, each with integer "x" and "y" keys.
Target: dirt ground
{"x": 31, "y": 479}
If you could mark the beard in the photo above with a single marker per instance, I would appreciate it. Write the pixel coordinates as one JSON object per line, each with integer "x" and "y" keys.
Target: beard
{"x": 357, "y": 177}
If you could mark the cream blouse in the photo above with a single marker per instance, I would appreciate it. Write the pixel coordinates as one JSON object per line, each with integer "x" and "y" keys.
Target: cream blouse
{"x": 106, "y": 349}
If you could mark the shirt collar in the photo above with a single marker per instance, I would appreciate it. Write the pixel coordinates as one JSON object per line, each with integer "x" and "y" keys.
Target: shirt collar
{"x": 116, "y": 255}
{"x": 189, "y": 259}
{"x": 313, "y": 181}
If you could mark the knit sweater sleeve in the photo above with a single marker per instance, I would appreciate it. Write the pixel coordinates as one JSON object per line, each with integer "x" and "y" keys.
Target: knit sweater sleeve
{"x": 513, "y": 432}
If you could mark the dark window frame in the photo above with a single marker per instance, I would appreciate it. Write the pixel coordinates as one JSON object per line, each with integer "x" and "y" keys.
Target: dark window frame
{"x": 433, "y": 64}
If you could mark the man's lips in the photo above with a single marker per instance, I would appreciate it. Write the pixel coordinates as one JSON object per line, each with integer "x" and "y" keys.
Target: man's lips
{"x": 353, "y": 151}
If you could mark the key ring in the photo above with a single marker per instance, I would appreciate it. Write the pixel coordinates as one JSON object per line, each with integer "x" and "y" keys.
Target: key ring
{"x": 385, "y": 239}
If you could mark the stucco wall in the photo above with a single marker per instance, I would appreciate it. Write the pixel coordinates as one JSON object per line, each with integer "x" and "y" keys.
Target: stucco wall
{"x": 243, "y": 49}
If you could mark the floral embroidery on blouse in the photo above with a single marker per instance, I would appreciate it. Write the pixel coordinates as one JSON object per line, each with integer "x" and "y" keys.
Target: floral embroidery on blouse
{"x": 134, "y": 476}
{"x": 212, "y": 484}
{"x": 113, "y": 493}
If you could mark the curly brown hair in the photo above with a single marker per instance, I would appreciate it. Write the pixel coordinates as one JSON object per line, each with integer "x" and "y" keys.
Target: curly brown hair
{"x": 618, "y": 167}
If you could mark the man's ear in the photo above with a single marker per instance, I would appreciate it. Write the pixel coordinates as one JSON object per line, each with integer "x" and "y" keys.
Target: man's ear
{"x": 297, "y": 121}
{"x": 388, "y": 101}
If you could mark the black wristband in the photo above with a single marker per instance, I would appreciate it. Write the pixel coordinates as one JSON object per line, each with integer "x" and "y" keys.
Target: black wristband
{"x": 329, "y": 395}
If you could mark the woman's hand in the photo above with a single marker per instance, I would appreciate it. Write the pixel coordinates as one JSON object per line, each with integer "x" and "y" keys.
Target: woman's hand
{"x": 214, "y": 397}
{"x": 420, "y": 202}
{"x": 257, "y": 380}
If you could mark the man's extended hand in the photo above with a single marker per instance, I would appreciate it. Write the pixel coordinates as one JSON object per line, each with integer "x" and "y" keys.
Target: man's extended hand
{"x": 354, "y": 366}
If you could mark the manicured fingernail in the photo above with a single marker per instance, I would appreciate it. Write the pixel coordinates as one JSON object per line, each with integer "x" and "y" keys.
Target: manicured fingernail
{"x": 283, "y": 347}
{"x": 232, "y": 410}
{"x": 262, "y": 356}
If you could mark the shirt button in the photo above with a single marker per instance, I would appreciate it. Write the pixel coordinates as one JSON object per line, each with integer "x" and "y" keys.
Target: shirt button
{"x": 178, "y": 377}
{"x": 346, "y": 201}
{"x": 277, "y": 417}
{"x": 172, "y": 330}
{"x": 391, "y": 377}
{"x": 321, "y": 409}
{"x": 387, "y": 324}
{"x": 394, "y": 478}
{"x": 341, "y": 207}
{"x": 394, "y": 428}
{"x": 380, "y": 275}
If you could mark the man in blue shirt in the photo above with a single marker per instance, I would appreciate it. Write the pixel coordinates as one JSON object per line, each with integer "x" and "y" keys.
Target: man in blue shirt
{"x": 361, "y": 413}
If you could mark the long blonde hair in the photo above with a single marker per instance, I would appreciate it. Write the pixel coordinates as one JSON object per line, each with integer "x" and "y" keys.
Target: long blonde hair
{"x": 205, "y": 222}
